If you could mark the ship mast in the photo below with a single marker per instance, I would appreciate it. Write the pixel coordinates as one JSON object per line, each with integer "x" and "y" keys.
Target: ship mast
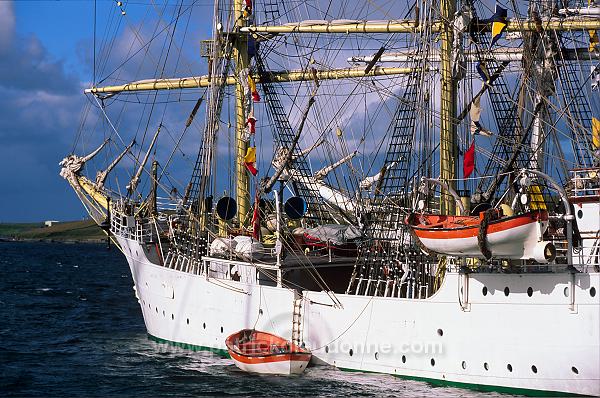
{"x": 240, "y": 58}
{"x": 448, "y": 146}
{"x": 443, "y": 26}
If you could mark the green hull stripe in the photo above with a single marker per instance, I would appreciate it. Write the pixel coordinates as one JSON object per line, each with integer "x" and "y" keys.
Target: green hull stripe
{"x": 479, "y": 387}
{"x": 434, "y": 382}
{"x": 192, "y": 347}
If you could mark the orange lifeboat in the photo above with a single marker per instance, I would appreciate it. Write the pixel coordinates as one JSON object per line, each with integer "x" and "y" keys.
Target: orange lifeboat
{"x": 261, "y": 352}
{"x": 486, "y": 235}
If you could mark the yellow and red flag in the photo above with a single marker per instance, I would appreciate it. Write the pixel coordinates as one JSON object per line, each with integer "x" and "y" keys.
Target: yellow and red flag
{"x": 250, "y": 160}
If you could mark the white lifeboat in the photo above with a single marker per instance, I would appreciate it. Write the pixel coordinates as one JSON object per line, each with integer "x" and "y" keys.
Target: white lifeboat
{"x": 260, "y": 352}
{"x": 509, "y": 237}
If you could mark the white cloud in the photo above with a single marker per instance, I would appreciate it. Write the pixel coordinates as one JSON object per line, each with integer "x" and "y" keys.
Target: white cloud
{"x": 7, "y": 25}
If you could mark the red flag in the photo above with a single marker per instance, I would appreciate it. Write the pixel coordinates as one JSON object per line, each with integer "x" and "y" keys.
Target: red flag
{"x": 247, "y": 8}
{"x": 251, "y": 123}
{"x": 469, "y": 161}
{"x": 251, "y": 168}
{"x": 256, "y": 218}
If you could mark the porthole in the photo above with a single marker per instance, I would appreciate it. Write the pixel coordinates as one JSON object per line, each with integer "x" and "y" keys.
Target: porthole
{"x": 403, "y": 358}
{"x": 530, "y": 291}
{"x": 156, "y": 309}
{"x": 204, "y": 326}
{"x": 506, "y": 291}
{"x": 509, "y": 367}
{"x": 533, "y": 368}
{"x": 187, "y": 321}
{"x": 326, "y": 349}
{"x": 464, "y": 365}
{"x": 593, "y": 291}
{"x": 163, "y": 312}
{"x": 580, "y": 213}
{"x": 484, "y": 291}
{"x": 260, "y": 311}
{"x": 351, "y": 352}
{"x": 432, "y": 362}
{"x": 566, "y": 291}
{"x": 376, "y": 356}
{"x": 172, "y": 317}
{"x": 221, "y": 329}
{"x": 574, "y": 370}
{"x": 440, "y": 332}
{"x": 486, "y": 366}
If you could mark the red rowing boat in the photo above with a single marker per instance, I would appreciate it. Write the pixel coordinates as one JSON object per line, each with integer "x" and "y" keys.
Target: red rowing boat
{"x": 261, "y": 352}
{"x": 510, "y": 237}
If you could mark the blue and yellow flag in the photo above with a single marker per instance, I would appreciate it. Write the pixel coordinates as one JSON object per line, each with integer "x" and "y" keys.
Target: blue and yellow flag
{"x": 499, "y": 23}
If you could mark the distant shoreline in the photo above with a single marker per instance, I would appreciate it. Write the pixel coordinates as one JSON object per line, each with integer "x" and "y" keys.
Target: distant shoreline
{"x": 60, "y": 232}
{"x": 4, "y": 239}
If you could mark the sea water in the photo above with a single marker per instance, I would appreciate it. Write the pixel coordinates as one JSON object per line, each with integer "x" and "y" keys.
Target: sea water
{"x": 70, "y": 325}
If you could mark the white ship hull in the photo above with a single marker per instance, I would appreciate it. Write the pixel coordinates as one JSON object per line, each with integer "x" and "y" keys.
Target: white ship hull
{"x": 512, "y": 338}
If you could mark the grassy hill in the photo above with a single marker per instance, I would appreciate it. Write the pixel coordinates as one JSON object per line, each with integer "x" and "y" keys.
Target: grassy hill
{"x": 81, "y": 231}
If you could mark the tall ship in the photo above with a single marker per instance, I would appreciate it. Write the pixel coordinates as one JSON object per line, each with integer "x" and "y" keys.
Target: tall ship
{"x": 410, "y": 188}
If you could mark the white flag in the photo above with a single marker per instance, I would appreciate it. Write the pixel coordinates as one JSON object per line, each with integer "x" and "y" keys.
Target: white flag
{"x": 475, "y": 113}
{"x": 595, "y": 77}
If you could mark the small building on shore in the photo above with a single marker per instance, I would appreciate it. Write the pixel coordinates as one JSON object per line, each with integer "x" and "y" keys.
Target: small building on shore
{"x": 50, "y": 223}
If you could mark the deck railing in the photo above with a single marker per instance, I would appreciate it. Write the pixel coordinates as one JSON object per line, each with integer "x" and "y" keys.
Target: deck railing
{"x": 586, "y": 182}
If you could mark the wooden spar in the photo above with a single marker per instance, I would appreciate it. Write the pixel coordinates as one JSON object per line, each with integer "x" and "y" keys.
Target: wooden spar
{"x": 408, "y": 26}
{"x": 502, "y": 55}
{"x": 90, "y": 189}
{"x": 272, "y": 77}
{"x": 321, "y": 174}
{"x": 152, "y": 202}
{"x": 136, "y": 178}
{"x": 241, "y": 59}
{"x": 448, "y": 146}
{"x": 101, "y": 176}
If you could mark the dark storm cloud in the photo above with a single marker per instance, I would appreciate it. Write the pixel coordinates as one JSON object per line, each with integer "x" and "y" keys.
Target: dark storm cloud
{"x": 39, "y": 105}
{"x": 26, "y": 65}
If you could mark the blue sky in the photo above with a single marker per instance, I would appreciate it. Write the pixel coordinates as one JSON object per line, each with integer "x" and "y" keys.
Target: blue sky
{"x": 45, "y": 53}
{"x": 40, "y": 79}
{"x": 45, "y": 63}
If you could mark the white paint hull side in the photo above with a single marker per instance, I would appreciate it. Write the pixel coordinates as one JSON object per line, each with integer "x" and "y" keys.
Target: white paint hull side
{"x": 495, "y": 329}
{"x": 274, "y": 368}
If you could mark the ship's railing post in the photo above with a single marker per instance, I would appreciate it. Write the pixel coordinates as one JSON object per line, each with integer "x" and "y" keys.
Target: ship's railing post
{"x": 278, "y": 244}
{"x": 358, "y": 284}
